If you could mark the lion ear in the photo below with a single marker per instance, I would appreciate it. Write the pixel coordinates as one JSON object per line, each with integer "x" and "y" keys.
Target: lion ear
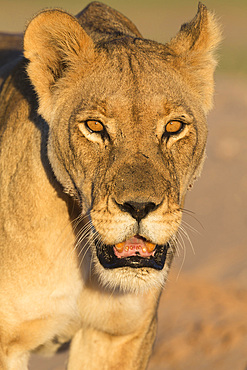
{"x": 192, "y": 52}
{"x": 54, "y": 42}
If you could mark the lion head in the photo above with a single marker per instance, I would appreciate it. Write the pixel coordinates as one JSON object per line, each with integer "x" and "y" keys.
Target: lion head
{"x": 127, "y": 130}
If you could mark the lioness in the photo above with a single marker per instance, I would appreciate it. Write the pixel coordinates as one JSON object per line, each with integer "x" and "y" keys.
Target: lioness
{"x": 102, "y": 133}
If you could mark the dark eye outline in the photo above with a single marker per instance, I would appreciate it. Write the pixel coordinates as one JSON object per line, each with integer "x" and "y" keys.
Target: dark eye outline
{"x": 100, "y": 132}
{"x": 167, "y": 134}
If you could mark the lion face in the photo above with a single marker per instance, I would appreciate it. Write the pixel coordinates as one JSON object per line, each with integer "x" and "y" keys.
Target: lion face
{"x": 127, "y": 149}
{"x": 127, "y": 137}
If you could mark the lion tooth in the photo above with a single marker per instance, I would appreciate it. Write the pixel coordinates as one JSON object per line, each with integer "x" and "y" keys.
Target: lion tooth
{"x": 150, "y": 246}
{"x": 119, "y": 247}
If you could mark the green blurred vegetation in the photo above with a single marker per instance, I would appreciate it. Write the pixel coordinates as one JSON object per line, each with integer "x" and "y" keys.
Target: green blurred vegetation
{"x": 156, "y": 19}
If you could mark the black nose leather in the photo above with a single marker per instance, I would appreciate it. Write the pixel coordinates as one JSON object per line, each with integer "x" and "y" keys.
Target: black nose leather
{"x": 137, "y": 210}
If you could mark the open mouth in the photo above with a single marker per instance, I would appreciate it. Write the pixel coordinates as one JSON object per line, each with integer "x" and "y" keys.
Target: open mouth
{"x": 135, "y": 252}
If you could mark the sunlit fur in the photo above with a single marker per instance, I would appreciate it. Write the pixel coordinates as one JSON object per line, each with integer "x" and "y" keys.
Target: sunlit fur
{"x": 64, "y": 187}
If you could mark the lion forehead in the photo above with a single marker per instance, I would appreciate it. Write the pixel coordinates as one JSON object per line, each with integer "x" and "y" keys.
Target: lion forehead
{"x": 121, "y": 71}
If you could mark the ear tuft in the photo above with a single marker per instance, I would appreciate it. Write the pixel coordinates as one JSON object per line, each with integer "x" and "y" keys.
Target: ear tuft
{"x": 54, "y": 42}
{"x": 193, "y": 53}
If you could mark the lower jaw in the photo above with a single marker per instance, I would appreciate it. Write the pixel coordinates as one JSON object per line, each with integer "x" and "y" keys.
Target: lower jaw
{"x": 109, "y": 260}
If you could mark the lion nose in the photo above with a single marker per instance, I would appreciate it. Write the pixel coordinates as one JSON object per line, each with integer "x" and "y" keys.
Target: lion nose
{"x": 138, "y": 210}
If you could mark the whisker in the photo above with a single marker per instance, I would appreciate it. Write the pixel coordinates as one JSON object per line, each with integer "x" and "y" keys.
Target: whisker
{"x": 192, "y": 214}
{"x": 175, "y": 245}
{"x": 191, "y": 228}
{"x": 182, "y": 244}
{"x": 91, "y": 237}
{"x": 185, "y": 210}
{"x": 83, "y": 233}
{"x": 184, "y": 232}
{"x": 78, "y": 220}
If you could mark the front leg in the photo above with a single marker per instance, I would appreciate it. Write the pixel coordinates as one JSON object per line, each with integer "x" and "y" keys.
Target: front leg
{"x": 94, "y": 350}
{"x": 118, "y": 332}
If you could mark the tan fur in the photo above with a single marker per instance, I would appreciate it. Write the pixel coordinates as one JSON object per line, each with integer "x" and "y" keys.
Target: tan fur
{"x": 62, "y": 185}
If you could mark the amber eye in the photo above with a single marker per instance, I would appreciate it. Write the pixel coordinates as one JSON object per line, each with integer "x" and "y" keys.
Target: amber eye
{"x": 94, "y": 126}
{"x": 173, "y": 127}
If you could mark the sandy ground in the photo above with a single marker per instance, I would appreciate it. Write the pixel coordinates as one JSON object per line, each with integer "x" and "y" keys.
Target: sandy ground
{"x": 203, "y": 310}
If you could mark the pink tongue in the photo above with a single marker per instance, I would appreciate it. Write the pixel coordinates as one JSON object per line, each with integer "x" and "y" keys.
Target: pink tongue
{"x": 134, "y": 246}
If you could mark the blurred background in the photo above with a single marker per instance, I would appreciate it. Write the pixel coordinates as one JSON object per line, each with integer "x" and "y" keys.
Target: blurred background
{"x": 203, "y": 310}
